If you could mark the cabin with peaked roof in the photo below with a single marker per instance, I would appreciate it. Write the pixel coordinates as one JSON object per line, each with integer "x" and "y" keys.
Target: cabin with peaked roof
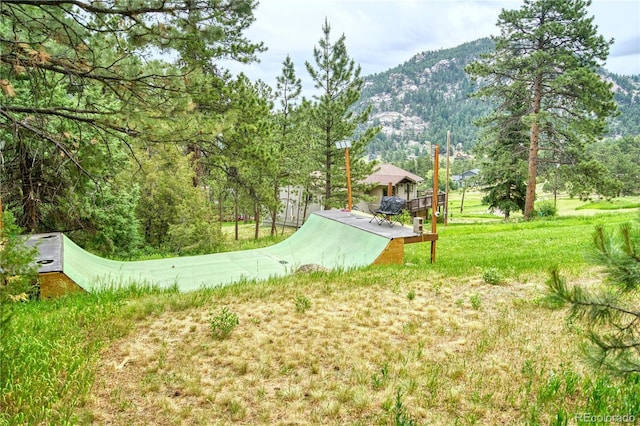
{"x": 465, "y": 176}
{"x": 403, "y": 184}
{"x": 386, "y": 179}
{"x": 391, "y": 180}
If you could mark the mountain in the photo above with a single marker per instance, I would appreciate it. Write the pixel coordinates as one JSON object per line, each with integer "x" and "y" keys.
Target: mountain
{"x": 416, "y": 103}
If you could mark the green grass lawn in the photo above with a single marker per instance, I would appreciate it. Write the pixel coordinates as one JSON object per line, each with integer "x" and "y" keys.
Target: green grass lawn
{"x": 418, "y": 343}
{"x": 475, "y": 211}
{"x": 514, "y": 248}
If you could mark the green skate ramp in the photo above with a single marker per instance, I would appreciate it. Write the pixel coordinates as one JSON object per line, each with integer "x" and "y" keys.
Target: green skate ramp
{"x": 321, "y": 241}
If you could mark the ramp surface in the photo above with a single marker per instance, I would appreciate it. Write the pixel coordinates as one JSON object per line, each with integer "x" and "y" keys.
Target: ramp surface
{"x": 321, "y": 240}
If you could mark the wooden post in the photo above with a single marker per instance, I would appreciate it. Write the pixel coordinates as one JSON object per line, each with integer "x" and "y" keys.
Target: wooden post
{"x": 464, "y": 188}
{"x": 434, "y": 200}
{"x": 446, "y": 193}
{"x": 390, "y": 189}
{"x": 346, "y": 158}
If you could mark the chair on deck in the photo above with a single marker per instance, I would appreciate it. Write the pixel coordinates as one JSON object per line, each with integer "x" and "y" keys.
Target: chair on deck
{"x": 389, "y": 211}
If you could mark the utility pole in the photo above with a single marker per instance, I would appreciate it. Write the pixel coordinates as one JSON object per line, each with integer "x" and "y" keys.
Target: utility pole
{"x": 434, "y": 200}
{"x": 446, "y": 191}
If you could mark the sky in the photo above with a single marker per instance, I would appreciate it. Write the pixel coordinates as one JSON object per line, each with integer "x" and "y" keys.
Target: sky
{"x": 381, "y": 34}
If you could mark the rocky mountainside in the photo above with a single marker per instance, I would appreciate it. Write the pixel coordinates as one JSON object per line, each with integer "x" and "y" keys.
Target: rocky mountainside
{"x": 416, "y": 103}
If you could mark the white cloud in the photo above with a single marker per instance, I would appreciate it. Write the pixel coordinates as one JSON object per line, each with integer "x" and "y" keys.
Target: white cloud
{"x": 381, "y": 34}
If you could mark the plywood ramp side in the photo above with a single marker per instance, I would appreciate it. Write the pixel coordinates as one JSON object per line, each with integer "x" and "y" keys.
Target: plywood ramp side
{"x": 393, "y": 254}
{"x": 56, "y": 284}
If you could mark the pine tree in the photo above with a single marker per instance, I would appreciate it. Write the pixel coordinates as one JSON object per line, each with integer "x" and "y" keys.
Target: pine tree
{"x": 550, "y": 51}
{"x": 611, "y": 313}
{"x": 81, "y": 82}
{"x": 504, "y": 156}
{"x": 293, "y": 150}
{"x": 337, "y": 77}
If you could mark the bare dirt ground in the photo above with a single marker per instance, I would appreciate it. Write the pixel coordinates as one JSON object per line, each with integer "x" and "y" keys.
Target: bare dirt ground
{"x": 454, "y": 350}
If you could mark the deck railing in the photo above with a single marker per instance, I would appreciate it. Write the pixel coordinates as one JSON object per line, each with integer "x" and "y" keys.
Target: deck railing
{"x": 424, "y": 202}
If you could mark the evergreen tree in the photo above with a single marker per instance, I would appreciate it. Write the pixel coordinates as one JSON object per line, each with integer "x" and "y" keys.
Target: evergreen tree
{"x": 611, "y": 314}
{"x": 174, "y": 214}
{"x": 293, "y": 149}
{"x": 504, "y": 156}
{"x": 245, "y": 151}
{"x": 550, "y": 50}
{"x": 80, "y": 85}
{"x": 337, "y": 78}
{"x": 621, "y": 157}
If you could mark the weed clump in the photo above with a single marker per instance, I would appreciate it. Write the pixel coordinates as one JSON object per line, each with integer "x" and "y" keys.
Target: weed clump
{"x": 224, "y": 323}
{"x": 302, "y": 304}
{"x": 493, "y": 276}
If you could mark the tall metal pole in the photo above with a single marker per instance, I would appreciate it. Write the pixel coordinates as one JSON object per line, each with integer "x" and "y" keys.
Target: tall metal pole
{"x": 446, "y": 193}
{"x": 434, "y": 200}
{"x": 346, "y": 144}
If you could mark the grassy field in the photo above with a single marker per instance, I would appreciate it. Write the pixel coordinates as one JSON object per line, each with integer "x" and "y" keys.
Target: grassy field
{"x": 467, "y": 340}
{"x": 474, "y": 210}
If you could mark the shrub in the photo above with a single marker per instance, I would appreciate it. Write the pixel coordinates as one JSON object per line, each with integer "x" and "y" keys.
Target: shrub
{"x": 18, "y": 270}
{"x": 302, "y": 304}
{"x": 411, "y": 295}
{"x": 492, "y": 276}
{"x": 546, "y": 209}
{"x": 476, "y": 301}
{"x": 224, "y": 323}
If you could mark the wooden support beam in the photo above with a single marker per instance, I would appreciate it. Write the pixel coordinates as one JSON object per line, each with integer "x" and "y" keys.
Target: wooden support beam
{"x": 434, "y": 218}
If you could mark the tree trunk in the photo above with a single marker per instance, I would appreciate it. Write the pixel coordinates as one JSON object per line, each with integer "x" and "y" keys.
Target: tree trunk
{"x": 533, "y": 170}
{"x": 30, "y": 191}
{"x": 235, "y": 213}
{"x": 274, "y": 213}
{"x": 306, "y": 206}
{"x": 327, "y": 182}
{"x": 534, "y": 139}
{"x": 256, "y": 213}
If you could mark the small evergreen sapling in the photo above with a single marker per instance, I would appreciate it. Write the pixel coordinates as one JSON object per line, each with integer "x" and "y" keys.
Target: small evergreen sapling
{"x": 18, "y": 270}
{"x": 611, "y": 314}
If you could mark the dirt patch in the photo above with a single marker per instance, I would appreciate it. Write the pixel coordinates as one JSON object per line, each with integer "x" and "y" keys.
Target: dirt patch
{"x": 452, "y": 347}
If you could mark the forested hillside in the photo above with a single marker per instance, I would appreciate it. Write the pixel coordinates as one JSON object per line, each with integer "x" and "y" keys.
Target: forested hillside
{"x": 418, "y": 101}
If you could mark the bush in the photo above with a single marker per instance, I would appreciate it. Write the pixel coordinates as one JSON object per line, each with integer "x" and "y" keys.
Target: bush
{"x": 411, "y": 295}
{"x": 546, "y": 209}
{"x": 224, "y": 323}
{"x": 492, "y": 276}
{"x": 302, "y": 304}
{"x": 18, "y": 270}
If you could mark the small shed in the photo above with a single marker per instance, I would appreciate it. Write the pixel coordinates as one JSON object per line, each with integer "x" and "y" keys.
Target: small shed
{"x": 404, "y": 183}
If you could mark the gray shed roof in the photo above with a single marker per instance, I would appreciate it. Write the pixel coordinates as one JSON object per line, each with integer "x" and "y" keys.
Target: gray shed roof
{"x": 386, "y": 173}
